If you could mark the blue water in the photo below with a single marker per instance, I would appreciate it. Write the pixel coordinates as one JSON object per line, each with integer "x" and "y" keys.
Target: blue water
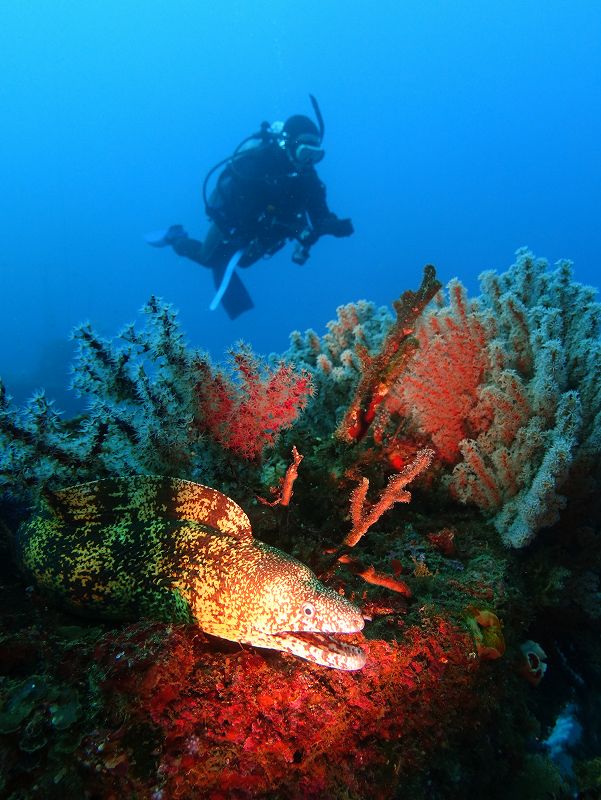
{"x": 456, "y": 133}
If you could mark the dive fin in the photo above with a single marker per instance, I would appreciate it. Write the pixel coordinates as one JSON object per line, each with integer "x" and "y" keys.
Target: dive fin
{"x": 237, "y": 299}
{"x": 231, "y": 292}
{"x": 164, "y": 238}
{"x": 225, "y": 280}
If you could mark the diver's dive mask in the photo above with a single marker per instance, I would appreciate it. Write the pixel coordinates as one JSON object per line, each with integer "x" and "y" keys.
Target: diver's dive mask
{"x": 305, "y": 150}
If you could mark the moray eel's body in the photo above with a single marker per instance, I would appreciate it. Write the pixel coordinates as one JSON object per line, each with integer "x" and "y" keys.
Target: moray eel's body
{"x": 174, "y": 550}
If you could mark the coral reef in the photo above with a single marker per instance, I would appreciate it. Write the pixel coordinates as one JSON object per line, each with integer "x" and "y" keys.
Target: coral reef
{"x": 544, "y": 388}
{"x": 480, "y": 630}
{"x": 380, "y": 371}
{"x": 504, "y": 388}
{"x": 154, "y": 406}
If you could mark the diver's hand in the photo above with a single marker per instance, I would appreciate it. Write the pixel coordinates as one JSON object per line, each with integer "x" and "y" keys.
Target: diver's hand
{"x": 341, "y": 227}
{"x": 301, "y": 254}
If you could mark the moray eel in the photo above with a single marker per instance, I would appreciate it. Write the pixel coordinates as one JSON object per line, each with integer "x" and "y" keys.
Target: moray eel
{"x": 174, "y": 550}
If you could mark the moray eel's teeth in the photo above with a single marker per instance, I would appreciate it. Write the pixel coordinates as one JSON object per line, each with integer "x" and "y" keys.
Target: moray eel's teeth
{"x": 323, "y": 649}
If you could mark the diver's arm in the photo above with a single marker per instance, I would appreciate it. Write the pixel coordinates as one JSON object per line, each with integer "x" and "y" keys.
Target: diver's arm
{"x": 323, "y": 221}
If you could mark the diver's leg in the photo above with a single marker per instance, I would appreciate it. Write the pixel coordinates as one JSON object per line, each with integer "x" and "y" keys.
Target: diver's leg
{"x": 214, "y": 252}
{"x": 217, "y": 250}
{"x": 189, "y": 248}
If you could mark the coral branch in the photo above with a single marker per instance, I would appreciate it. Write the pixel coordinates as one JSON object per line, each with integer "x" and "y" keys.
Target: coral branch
{"x": 370, "y": 575}
{"x": 379, "y": 372}
{"x": 286, "y": 483}
{"x": 364, "y": 516}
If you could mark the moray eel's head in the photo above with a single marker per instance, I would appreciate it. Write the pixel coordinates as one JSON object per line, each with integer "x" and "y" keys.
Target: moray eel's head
{"x": 287, "y": 608}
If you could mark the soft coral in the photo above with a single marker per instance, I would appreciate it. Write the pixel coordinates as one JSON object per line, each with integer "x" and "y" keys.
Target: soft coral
{"x": 245, "y": 412}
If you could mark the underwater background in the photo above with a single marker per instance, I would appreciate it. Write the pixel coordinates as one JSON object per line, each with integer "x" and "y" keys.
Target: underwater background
{"x": 361, "y": 557}
{"x": 456, "y": 132}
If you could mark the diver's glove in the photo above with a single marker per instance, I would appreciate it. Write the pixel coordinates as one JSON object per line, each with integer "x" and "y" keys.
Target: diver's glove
{"x": 338, "y": 227}
{"x": 344, "y": 227}
{"x": 301, "y": 254}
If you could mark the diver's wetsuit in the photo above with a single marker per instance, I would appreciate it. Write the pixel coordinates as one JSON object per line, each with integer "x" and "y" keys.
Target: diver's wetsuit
{"x": 260, "y": 197}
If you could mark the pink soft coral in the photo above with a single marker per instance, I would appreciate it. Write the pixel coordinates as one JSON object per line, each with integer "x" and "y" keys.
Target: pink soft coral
{"x": 245, "y": 413}
{"x": 441, "y": 387}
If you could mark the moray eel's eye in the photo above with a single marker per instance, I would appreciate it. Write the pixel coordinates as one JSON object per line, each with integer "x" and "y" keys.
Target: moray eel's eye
{"x": 308, "y": 609}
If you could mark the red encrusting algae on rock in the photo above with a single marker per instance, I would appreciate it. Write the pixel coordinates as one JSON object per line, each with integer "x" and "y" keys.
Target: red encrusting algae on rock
{"x": 443, "y": 540}
{"x": 247, "y": 723}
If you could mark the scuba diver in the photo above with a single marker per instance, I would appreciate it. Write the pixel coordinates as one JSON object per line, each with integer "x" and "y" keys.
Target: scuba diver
{"x": 268, "y": 193}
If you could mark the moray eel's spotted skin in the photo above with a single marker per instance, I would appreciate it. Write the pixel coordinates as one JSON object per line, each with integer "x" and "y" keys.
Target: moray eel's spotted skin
{"x": 177, "y": 551}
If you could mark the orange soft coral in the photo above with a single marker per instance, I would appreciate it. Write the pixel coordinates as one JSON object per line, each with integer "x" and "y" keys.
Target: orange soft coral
{"x": 441, "y": 387}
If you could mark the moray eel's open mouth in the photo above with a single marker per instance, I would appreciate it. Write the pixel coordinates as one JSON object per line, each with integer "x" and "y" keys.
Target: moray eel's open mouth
{"x": 322, "y": 648}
